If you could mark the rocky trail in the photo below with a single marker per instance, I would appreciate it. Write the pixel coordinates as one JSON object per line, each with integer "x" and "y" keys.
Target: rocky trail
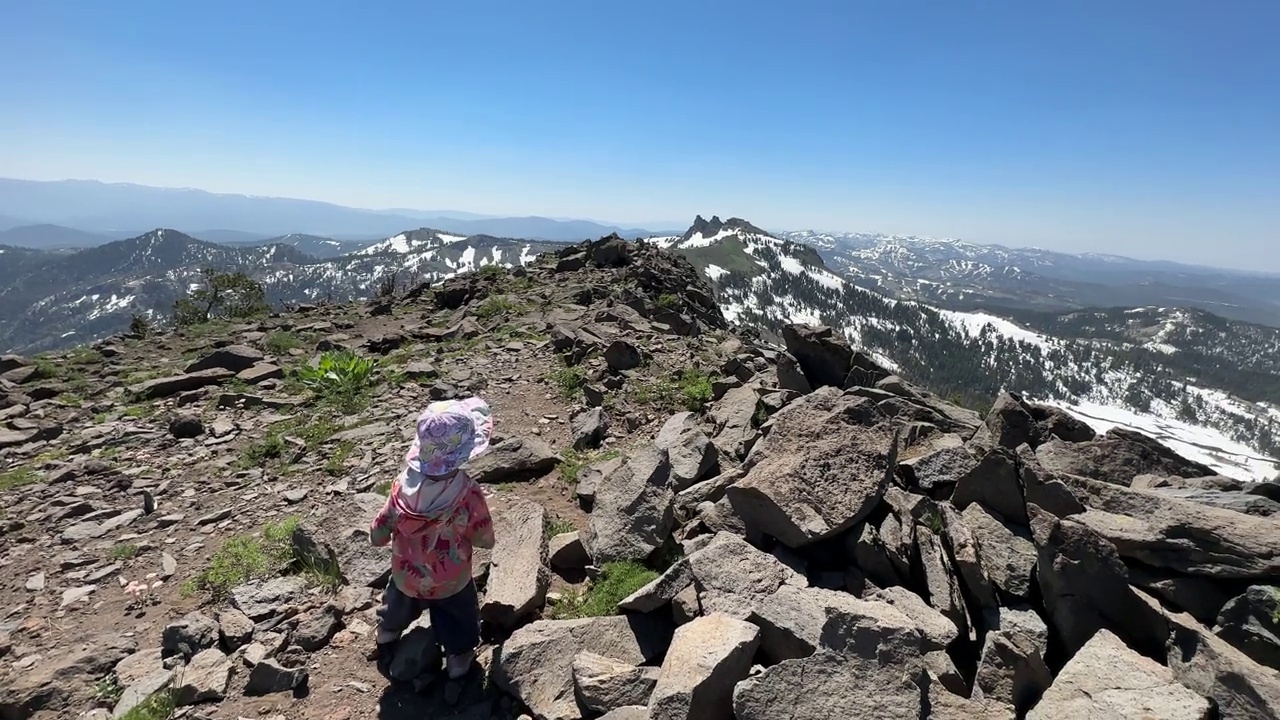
{"x": 692, "y": 523}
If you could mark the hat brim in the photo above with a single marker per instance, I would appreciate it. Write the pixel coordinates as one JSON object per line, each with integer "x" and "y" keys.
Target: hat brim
{"x": 482, "y": 422}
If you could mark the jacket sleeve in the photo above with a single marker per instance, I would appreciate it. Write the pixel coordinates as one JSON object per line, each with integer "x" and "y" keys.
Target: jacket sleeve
{"x": 380, "y": 530}
{"x": 480, "y": 529}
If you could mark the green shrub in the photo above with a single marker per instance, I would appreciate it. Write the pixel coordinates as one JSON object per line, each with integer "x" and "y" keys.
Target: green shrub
{"x": 107, "y": 690}
{"x": 570, "y": 380}
{"x": 492, "y": 271}
{"x": 336, "y": 464}
{"x": 497, "y": 305}
{"x": 260, "y": 452}
{"x": 227, "y": 295}
{"x": 617, "y": 580}
{"x": 695, "y": 388}
{"x": 123, "y": 551}
{"x": 246, "y": 557}
{"x": 140, "y": 326}
{"x": 157, "y": 706}
{"x": 667, "y": 301}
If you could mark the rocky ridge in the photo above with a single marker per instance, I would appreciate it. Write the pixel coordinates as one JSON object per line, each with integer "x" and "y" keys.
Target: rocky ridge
{"x": 826, "y": 539}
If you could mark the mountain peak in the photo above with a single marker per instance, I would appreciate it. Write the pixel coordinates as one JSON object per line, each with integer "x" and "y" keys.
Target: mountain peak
{"x": 705, "y": 229}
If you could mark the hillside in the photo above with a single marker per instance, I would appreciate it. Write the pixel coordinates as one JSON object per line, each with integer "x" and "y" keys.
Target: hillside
{"x": 691, "y": 523}
{"x": 958, "y": 275}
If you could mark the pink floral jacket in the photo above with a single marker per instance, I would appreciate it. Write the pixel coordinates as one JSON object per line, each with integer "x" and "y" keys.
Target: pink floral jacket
{"x": 431, "y": 554}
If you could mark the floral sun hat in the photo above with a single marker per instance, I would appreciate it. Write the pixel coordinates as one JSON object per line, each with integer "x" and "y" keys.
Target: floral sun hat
{"x": 449, "y": 433}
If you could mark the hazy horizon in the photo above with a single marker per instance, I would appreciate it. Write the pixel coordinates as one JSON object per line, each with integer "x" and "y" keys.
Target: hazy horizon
{"x": 1145, "y": 129}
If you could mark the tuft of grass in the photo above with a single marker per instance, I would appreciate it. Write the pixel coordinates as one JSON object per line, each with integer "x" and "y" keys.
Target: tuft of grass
{"x": 107, "y": 690}
{"x": 123, "y": 551}
{"x": 99, "y": 418}
{"x": 497, "y": 306}
{"x": 575, "y": 461}
{"x": 261, "y": 452}
{"x": 690, "y": 389}
{"x": 157, "y": 706}
{"x": 246, "y": 557}
{"x": 336, "y": 464}
{"x": 617, "y": 581}
{"x": 668, "y": 301}
{"x": 84, "y": 356}
{"x": 570, "y": 380}
{"x": 492, "y": 271}
{"x": 17, "y": 477}
{"x": 139, "y": 411}
{"x": 281, "y": 342}
{"x": 558, "y": 526}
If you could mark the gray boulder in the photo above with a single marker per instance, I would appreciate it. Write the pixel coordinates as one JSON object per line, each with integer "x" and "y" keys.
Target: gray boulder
{"x": 938, "y": 465}
{"x": 1117, "y": 457}
{"x": 822, "y": 468}
{"x": 795, "y": 622}
{"x": 662, "y": 590}
{"x": 1105, "y": 679}
{"x": 1010, "y": 423}
{"x": 535, "y": 664}
{"x": 734, "y": 578}
{"x": 964, "y": 555}
{"x": 942, "y": 580}
{"x": 1011, "y": 670}
{"x": 232, "y": 357}
{"x": 262, "y": 599}
{"x": 1251, "y": 622}
{"x": 1006, "y": 550}
{"x": 518, "y": 575}
{"x": 937, "y": 632}
{"x": 734, "y": 419}
{"x": 706, "y": 660}
{"x": 1237, "y": 501}
{"x": 827, "y": 359}
{"x": 513, "y": 459}
{"x": 690, "y": 451}
{"x": 830, "y": 685}
{"x": 994, "y": 482}
{"x": 166, "y": 386}
{"x": 632, "y": 515}
{"x": 190, "y": 635}
{"x": 204, "y": 678}
{"x": 1177, "y": 535}
{"x": 589, "y": 428}
{"x": 269, "y": 676}
{"x": 603, "y": 684}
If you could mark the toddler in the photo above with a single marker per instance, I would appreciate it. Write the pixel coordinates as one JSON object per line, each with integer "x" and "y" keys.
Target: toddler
{"x": 434, "y": 516}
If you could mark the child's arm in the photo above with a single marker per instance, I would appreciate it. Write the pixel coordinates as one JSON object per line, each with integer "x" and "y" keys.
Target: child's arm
{"x": 380, "y": 530}
{"x": 480, "y": 530}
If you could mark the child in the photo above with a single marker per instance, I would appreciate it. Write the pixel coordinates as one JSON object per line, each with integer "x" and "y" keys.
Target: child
{"x": 433, "y": 518}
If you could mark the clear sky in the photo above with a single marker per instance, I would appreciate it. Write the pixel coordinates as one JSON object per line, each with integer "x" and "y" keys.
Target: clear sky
{"x": 1142, "y": 127}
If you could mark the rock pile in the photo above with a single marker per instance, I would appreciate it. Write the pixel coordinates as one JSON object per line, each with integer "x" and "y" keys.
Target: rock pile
{"x": 832, "y": 541}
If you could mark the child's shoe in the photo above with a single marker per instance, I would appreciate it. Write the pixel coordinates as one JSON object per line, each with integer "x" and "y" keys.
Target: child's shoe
{"x": 459, "y": 665}
{"x": 384, "y": 653}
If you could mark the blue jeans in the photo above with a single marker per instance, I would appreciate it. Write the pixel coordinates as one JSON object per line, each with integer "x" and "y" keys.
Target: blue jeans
{"x": 455, "y": 620}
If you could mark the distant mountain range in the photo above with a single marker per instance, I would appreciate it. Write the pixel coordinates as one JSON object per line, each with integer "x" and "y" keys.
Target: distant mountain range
{"x": 109, "y": 209}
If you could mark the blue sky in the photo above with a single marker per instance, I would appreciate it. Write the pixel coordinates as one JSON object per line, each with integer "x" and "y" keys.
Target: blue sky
{"x": 1142, "y": 127}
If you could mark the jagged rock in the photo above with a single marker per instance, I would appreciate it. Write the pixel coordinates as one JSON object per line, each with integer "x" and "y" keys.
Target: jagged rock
{"x": 954, "y": 418}
{"x": 995, "y": 483}
{"x": 535, "y": 664}
{"x": 269, "y": 676}
{"x": 662, "y": 590}
{"x": 52, "y": 683}
{"x": 941, "y": 579}
{"x": 1117, "y": 457}
{"x": 260, "y": 600}
{"x": 1212, "y": 667}
{"x": 205, "y": 678}
{"x": 937, "y": 632}
{"x": 1012, "y": 670}
{"x": 417, "y": 653}
{"x": 1010, "y": 422}
{"x": 797, "y": 621}
{"x": 831, "y": 685}
{"x": 1006, "y": 551}
{"x": 566, "y": 552}
{"x": 316, "y": 628}
{"x": 1056, "y": 422}
{"x": 790, "y": 376}
{"x": 822, "y": 468}
{"x": 1085, "y": 586}
{"x": 1241, "y": 502}
{"x": 186, "y": 426}
{"x": 235, "y": 628}
{"x": 518, "y": 576}
{"x": 943, "y": 464}
{"x": 513, "y": 459}
{"x": 233, "y": 357}
{"x": 1251, "y": 622}
{"x": 631, "y": 712}
{"x": 690, "y": 451}
{"x": 1106, "y": 679}
{"x": 188, "y": 636}
{"x": 942, "y": 671}
{"x": 589, "y": 428}
{"x": 827, "y": 360}
{"x": 735, "y": 578}
{"x": 965, "y": 557}
{"x": 140, "y": 674}
{"x": 622, "y": 355}
{"x": 166, "y": 386}
{"x": 591, "y": 477}
{"x": 734, "y": 414}
{"x": 1202, "y": 597}
{"x": 1184, "y": 537}
{"x": 1044, "y": 489}
{"x": 706, "y": 660}
{"x": 632, "y": 515}
{"x": 604, "y": 684}
{"x": 1212, "y": 482}
{"x": 1024, "y": 622}
{"x": 260, "y": 373}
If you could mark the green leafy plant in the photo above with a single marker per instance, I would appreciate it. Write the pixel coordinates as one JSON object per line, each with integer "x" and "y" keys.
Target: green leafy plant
{"x": 492, "y": 271}
{"x": 497, "y": 305}
{"x": 107, "y": 690}
{"x": 245, "y": 557}
{"x": 617, "y": 580}
{"x": 260, "y": 452}
{"x": 17, "y": 478}
{"x": 668, "y": 301}
{"x": 558, "y": 526}
{"x": 339, "y": 375}
{"x": 157, "y": 706}
{"x": 336, "y": 464}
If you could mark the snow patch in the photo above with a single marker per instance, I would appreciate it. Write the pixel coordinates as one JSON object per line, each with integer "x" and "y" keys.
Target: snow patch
{"x": 973, "y": 323}
{"x": 715, "y": 272}
{"x": 699, "y": 240}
